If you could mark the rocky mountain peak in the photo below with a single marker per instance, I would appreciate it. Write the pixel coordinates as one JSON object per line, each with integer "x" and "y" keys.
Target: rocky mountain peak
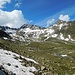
{"x": 30, "y": 26}
{"x": 60, "y": 30}
{"x": 60, "y": 21}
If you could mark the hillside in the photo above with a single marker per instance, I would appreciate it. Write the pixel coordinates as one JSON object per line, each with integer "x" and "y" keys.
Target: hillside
{"x": 61, "y": 30}
{"x": 53, "y": 48}
{"x": 54, "y": 56}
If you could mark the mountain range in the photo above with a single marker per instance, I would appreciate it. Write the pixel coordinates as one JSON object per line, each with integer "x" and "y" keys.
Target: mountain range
{"x": 53, "y": 48}
{"x": 60, "y": 30}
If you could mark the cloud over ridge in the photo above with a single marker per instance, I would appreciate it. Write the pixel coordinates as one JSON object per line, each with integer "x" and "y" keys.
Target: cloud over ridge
{"x": 64, "y": 17}
{"x": 13, "y": 19}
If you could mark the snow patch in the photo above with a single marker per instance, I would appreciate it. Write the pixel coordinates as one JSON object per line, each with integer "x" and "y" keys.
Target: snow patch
{"x": 64, "y": 55}
{"x": 5, "y": 38}
{"x": 10, "y": 31}
{"x": 60, "y": 26}
{"x": 61, "y": 36}
{"x": 9, "y": 63}
{"x": 54, "y": 35}
{"x": 69, "y": 36}
{"x": 31, "y": 60}
{"x": 66, "y": 39}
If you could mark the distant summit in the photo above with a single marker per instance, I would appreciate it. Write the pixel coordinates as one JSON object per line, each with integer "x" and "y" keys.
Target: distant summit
{"x": 30, "y": 26}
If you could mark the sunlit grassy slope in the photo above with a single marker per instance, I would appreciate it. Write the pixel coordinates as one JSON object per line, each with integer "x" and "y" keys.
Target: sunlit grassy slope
{"x": 54, "y": 56}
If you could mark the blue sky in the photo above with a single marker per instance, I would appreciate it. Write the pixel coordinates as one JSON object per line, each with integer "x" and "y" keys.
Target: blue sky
{"x": 39, "y": 12}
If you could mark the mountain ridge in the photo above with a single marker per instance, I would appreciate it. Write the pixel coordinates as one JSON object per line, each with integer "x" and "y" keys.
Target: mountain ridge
{"x": 61, "y": 30}
{"x": 51, "y": 47}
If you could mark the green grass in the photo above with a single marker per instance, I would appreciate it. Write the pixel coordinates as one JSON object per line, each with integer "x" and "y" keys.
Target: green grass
{"x": 47, "y": 54}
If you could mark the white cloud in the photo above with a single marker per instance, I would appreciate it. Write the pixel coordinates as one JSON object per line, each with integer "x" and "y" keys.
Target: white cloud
{"x": 64, "y": 17}
{"x": 49, "y": 22}
{"x": 13, "y": 19}
{"x": 3, "y": 2}
{"x": 17, "y": 5}
{"x": 30, "y": 21}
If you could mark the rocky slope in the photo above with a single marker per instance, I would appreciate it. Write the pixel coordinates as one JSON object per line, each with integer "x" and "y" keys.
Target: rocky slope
{"x": 8, "y": 29}
{"x": 55, "y": 57}
{"x": 4, "y": 35}
{"x": 61, "y": 30}
{"x": 64, "y": 30}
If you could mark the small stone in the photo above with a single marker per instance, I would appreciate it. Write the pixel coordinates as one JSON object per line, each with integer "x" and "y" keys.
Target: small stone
{"x": 8, "y": 64}
{"x": 73, "y": 68}
{"x": 16, "y": 66}
{"x": 51, "y": 68}
{"x": 43, "y": 67}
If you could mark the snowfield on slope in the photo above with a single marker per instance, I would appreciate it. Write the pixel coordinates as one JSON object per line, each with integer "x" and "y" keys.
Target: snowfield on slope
{"x": 12, "y": 65}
